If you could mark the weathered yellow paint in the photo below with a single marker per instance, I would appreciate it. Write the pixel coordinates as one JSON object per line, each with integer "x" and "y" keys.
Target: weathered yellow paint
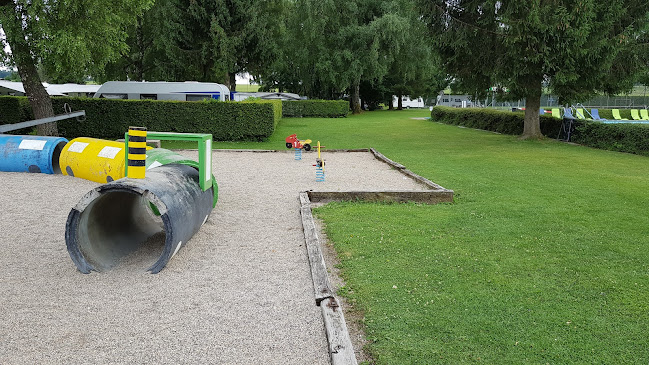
{"x": 93, "y": 159}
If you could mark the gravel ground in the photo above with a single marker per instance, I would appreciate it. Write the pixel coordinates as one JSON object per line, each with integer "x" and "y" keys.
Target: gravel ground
{"x": 240, "y": 292}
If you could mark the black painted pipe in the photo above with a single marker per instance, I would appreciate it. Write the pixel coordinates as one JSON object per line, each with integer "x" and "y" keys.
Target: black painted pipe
{"x": 115, "y": 219}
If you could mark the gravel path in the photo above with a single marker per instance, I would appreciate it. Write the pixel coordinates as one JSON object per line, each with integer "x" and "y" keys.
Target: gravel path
{"x": 240, "y": 292}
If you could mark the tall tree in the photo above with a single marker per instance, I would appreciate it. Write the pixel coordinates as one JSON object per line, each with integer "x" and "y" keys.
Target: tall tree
{"x": 576, "y": 48}
{"x": 331, "y": 47}
{"x": 213, "y": 40}
{"x": 413, "y": 65}
{"x": 71, "y": 37}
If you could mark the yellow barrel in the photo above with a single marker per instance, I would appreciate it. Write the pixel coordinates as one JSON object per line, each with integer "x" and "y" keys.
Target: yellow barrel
{"x": 93, "y": 159}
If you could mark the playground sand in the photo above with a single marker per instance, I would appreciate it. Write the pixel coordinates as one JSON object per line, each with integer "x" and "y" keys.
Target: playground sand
{"x": 240, "y": 292}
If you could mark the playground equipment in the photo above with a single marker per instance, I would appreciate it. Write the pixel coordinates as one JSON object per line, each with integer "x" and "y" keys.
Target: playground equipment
{"x": 293, "y": 142}
{"x": 93, "y": 159}
{"x": 160, "y": 156}
{"x": 114, "y": 219}
{"x": 319, "y": 166}
{"x": 31, "y": 153}
{"x": 137, "y": 152}
{"x": 171, "y": 197}
{"x": 80, "y": 115}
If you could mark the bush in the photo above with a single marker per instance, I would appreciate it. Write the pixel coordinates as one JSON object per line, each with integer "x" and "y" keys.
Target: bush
{"x": 315, "y": 108}
{"x": 630, "y": 138}
{"x": 621, "y": 137}
{"x": 15, "y": 110}
{"x": 109, "y": 119}
{"x": 504, "y": 122}
{"x": 277, "y": 107}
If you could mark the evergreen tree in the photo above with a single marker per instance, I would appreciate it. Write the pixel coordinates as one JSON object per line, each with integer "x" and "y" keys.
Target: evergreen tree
{"x": 206, "y": 40}
{"x": 576, "y": 48}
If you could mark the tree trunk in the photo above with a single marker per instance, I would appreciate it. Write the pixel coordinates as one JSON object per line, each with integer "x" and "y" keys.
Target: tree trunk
{"x": 138, "y": 62}
{"x": 399, "y": 102}
{"x": 233, "y": 82}
{"x": 21, "y": 54}
{"x": 230, "y": 80}
{"x": 391, "y": 103}
{"x": 532, "y": 124}
{"x": 354, "y": 98}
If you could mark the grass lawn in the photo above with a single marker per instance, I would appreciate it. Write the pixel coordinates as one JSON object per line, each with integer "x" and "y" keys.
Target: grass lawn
{"x": 543, "y": 257}
{"x": 247, "y": 88}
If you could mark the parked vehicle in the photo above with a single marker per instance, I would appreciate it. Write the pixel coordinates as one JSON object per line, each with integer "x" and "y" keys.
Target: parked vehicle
{"x": 408, "y": 103}
{"x": 186, "y": 91}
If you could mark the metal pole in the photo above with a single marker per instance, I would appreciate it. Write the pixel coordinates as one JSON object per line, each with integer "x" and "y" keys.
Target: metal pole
{"x": 35, "y": 122}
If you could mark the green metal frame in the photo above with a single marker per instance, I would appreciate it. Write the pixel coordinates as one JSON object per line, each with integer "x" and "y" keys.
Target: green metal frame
{"x": 204, "y": 152}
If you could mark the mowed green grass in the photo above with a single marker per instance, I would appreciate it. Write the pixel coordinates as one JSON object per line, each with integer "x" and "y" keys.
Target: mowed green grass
{"x": 543, "y": 257}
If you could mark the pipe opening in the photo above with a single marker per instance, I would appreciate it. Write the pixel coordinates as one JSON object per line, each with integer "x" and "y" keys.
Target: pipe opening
{"x": 121, "y": 227}
{"x": 56, "y": 156}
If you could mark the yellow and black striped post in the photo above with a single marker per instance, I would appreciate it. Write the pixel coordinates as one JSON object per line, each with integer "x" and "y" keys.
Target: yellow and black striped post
{"x": 136, "y": 152}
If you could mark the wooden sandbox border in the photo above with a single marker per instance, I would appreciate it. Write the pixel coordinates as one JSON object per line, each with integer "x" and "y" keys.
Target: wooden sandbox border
{"x": 340, "y": 347}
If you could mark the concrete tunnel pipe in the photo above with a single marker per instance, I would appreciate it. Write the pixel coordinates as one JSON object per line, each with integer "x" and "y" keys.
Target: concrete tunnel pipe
{"x": 115, "y": 219}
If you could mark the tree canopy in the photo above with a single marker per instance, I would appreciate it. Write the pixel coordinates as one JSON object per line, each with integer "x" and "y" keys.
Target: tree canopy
{"x": 69, "y": 39}
{"x": 206, "y": 40}
{"x": 575, "y": 48}
{"x": 333, "y": 47}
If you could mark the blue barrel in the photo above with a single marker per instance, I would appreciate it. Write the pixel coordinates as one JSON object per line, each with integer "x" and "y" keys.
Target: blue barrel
{"x": 31, "y": 153}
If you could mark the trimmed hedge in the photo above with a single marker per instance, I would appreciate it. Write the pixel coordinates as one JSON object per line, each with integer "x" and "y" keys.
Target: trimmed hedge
{"x": 15, "y": 110}
{"x": 109, "y": 119}
{"x": 630, "y": 138}
{"x": 277, "y": 108}
{"x": 315, "y": 108}
{"x": 492, "y": 120}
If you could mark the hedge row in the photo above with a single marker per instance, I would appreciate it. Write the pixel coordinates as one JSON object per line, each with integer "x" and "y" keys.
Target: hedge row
{"x": 630, "y": 138}
{"x": 492, "y": 120}
{"x": 15, "y": 110}
{"x": 109, "y": 119}
{"x": 315, "y": 108}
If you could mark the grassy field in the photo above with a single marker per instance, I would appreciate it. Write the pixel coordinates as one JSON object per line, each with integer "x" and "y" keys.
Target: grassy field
{"x": 543, "y": 257}
{"x": 247, "y": 88}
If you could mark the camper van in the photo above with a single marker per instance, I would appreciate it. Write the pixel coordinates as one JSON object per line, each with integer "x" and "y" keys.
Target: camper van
{"x": 408, "y": 103}
{"x": 185, "y": 91}
{"x": 455, "y": 101}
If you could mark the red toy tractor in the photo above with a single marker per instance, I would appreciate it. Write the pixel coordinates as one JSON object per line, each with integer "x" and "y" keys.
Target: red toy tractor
{"x": 293, "y": 142}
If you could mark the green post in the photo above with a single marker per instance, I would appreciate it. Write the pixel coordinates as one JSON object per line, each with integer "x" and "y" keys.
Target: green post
{"x": 204, "y": 152}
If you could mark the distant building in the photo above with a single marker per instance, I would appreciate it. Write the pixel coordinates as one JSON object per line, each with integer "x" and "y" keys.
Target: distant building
{"x": 11, "y": 88}
{"x": 74, "y": 90}
{"x": 185, "y": 91}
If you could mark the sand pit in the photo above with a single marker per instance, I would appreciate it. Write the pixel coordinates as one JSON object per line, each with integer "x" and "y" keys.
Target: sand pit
{"x": 240, "y": 292}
